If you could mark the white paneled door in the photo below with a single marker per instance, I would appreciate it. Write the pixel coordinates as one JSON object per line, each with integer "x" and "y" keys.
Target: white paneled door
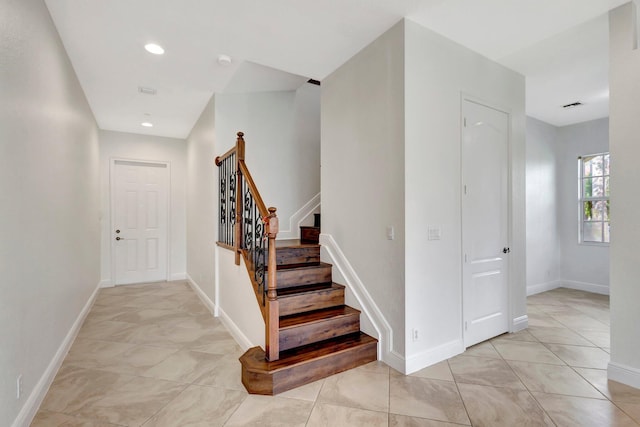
{"x": 485, "y": 220}
{"x": 140, "y": 219}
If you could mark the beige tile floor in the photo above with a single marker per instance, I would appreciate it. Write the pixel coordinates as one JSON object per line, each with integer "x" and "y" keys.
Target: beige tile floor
{"x": 152, "y": 355}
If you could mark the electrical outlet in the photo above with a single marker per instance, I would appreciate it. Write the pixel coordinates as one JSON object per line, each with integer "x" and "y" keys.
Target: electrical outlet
{"x": 19, "y": 387}
{"x": 415, "y": 334}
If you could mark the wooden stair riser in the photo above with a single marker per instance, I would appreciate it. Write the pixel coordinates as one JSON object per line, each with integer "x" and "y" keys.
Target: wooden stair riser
{"x": 313, "y": 300}
{"x": 310, "y": 234}
{"x": 298, "y": 255}
{"x": 308, "y": 333}
{"x": 290, "y": 277}
{"x": 269, "y": 378}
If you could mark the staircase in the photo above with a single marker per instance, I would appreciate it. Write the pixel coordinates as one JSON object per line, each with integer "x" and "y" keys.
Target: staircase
{"x": 309, "y": 331}
{"x": 318, "y": 334}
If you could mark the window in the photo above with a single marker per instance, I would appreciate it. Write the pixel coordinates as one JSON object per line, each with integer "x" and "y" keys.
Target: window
{"x": 594, "y": 198}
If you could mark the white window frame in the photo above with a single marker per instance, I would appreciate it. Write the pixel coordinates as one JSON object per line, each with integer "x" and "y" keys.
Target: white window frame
{"x": 582, "y": 199}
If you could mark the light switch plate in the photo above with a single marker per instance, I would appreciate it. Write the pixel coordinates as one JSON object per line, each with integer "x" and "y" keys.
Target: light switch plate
{"x": 433, "y": 233}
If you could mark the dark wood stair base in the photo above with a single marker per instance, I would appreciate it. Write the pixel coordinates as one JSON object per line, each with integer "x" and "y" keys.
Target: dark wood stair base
{"x": 304, "y": 365}
{"x": 318, "y": 335}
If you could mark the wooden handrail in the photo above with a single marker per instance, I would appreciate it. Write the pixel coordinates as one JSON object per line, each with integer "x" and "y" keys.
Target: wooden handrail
{"x": 231, "y": 151}
{"x": 253, "y": 252}
{"x": 242, "y": 167}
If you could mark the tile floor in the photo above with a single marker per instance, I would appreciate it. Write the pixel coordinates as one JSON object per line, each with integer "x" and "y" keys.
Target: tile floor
{"x": 152, "y": 355}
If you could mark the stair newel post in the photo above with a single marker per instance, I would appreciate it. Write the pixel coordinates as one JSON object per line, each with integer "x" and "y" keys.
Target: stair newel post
{"x": 239, "y": 196}
{"x": 272, "y": 322}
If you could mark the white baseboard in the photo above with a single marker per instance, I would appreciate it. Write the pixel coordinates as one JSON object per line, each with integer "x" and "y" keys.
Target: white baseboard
{"x": 203, "y": 297}
{"x": 542, "y": 287}
{"x": 624, "y": 374}
{"x": 433, "y": 355}
{"x": 584, "y": 286}
{"x": 386, "y": 352}
{"x": 33, "y": 402}
{"x": 394, "y": 360}
{"x": 296, "y": 219}
{"x": 106, "y": 283}
{"x": 236, "y": 333}
{"x": 233, "y": 329}
{"x": 178, "y": 276}
{"x": 520, "y": 323}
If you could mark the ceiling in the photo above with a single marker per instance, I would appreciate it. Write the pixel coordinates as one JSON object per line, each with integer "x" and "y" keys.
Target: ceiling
{"x": 561, "y": 46}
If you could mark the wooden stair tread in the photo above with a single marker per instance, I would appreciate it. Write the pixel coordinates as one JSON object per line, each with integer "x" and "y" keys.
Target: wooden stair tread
{"x": 286, "y": 267}
{"x": 307, "y": 289}
{"x": 309, "y": 298}
{"x": 254, "y": 359}
{"x": 294, "y": 243}
{"x": 297, "y": 320}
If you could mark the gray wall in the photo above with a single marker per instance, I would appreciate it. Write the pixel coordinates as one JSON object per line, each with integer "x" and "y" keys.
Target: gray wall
{"x": 543, "y": 243}
{"x": 582, "y": 266}
{"x": 391, "y": 158}
{"x": 625, "y": 204}
{"x": 49, "y": 204}
{"x": 282, "y": 134}
{"x": 554, "y": 255}
{"x": 363, "y": 170}
{"x": 202, "y": 192}
{"x": 438, "y": 73}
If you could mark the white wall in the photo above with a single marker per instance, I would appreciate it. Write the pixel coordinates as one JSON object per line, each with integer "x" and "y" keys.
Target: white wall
{"x": 543, "y": 243}
{"x": 49, "y": 250}
{"x": 391, "y": 157}
{"x": 437, "y": 72}
{"x": 202, "y": 193}
{"x": 120, "y": 145}
{"x": 363, "y": 171}
{"x": 582, "y": 266}
{"x": 624, "y": 128}
{"x": 282, "y": 134}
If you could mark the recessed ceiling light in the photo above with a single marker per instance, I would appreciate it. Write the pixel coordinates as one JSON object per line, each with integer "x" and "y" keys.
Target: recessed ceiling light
{"x": 147, "y": 124}
{"x": 156, "y": 49}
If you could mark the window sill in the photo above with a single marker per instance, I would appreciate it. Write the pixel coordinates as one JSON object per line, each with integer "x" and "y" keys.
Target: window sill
{"x": 596, "y": 244}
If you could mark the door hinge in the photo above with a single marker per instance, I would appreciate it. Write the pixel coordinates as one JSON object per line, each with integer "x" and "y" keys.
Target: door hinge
{"x": 465, "y": 189}
{"x": 466, "y": 326}
{"x": 465, "y": 122}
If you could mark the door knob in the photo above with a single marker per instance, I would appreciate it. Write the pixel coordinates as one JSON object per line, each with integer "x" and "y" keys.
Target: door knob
{"x": 506, "y": 250}
{"x": 119, "y": 238}
{"x": 117, "y": 231}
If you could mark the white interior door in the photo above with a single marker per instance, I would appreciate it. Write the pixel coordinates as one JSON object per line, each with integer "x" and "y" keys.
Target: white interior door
{"x": 140, "y": 215}
{"x": 485, "y": 218}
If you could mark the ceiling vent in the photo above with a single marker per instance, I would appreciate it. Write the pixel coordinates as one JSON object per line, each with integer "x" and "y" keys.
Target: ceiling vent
{"x": 147, "y": 90}
{"x": 573, "y": 104}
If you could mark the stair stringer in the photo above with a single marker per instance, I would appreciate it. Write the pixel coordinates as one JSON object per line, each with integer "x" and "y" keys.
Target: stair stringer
{"x": 297, "y": 219}
{"x": 373, "y": 316}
